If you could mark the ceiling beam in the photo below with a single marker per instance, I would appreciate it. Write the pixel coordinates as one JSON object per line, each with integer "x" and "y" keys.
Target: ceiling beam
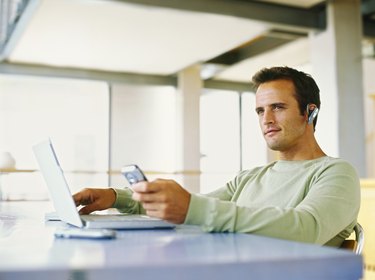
{"x": 111, "y": 77}
{"x": 368, "y": 7}
{"x": 270, "y": 40}
{"x": 257, "y": 47}
{"x": 266, "y": 12}
{"x": 228, "y": 85}
{"x": 368, "y": 16}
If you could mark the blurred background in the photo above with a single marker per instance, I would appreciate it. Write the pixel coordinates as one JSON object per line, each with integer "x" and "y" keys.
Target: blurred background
{"x": 166, "y": 85}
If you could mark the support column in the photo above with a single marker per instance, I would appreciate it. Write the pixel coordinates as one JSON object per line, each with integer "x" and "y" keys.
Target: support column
{"x": 187, "y": 127}
{"x": 337, "y": 67}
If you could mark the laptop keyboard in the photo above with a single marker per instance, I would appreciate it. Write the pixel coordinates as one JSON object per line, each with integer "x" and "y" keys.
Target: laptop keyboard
{"x": 116, "y": 218}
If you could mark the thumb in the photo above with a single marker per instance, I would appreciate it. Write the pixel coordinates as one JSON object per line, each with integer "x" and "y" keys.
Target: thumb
{"x": 87, "y": 209}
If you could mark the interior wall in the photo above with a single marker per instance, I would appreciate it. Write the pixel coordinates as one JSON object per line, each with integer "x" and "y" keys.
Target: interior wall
{"x": 338, "y": 68}
{"x": 143, "y": 129}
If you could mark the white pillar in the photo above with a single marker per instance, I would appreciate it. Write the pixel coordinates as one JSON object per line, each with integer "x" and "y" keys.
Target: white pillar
{"x": 337, "y": 67}
{"x": 187, "y": 127}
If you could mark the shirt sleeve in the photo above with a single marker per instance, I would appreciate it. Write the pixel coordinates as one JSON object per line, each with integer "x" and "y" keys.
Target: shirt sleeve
{"x": 124, "y": 202}
{"x": 331, "y": 205}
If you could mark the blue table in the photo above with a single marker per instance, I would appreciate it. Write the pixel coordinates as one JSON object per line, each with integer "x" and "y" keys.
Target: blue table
{"x": 28, "y": 250}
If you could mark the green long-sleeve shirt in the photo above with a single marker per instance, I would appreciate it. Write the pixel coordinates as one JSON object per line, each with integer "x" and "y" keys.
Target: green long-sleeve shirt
{"x": 315, "y": 201}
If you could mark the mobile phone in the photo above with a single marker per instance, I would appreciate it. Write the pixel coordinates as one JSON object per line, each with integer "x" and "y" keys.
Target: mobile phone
{"x": 133, "y": 174}
{"x": 85, "y": 233}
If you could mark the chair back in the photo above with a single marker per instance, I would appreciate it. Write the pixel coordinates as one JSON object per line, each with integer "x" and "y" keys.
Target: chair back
{"x": 360, "y": 238}
{"x": 355, "y": 245}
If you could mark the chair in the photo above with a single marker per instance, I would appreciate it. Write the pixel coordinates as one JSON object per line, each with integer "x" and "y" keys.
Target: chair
{"x": 355, "y": 245}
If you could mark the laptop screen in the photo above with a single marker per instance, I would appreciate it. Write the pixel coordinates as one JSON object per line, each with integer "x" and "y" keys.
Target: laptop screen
{"x": 56, "y": 183}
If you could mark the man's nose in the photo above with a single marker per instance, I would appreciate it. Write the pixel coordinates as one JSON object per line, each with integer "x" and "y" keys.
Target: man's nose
{"x": 268, "y": 117}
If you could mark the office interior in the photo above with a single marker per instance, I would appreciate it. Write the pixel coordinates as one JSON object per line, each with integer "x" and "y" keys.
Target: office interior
{"x": 166, "y": 85}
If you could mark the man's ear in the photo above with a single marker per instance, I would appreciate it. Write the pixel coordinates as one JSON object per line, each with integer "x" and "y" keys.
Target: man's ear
{"x": 312, "y": 112}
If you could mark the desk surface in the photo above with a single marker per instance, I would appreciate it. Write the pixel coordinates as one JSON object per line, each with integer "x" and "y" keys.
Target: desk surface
{"x": 28, "y": 250}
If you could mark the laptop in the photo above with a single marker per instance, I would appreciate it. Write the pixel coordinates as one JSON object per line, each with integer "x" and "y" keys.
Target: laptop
{"x": 64, "y": 204}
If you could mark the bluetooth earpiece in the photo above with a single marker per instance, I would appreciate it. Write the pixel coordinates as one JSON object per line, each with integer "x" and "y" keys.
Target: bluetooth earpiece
{"x": 312, "y": 114}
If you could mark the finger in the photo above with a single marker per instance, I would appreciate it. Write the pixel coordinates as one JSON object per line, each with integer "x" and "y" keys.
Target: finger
{"x": 83, "y": 197}
{"x": 157, "y": 213}
{"x": 142, "y": 197}
{"x": 154, "y": 213}
{"x": 140, "y": 187}
{"x": 153, "y": 206}
{"x": 80, "y": 199}
{"x": 86, "y": 210}
{"x": 77, "y": 199}
{"x": 148, "y": 197}
{"x": 145, "y": 187}
{"x": 95, "y": 206}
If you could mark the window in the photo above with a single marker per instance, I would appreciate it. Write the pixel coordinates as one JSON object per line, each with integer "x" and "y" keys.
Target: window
{"x": 231, "y": 139}
{"x": 143, "y": 130}
{"x": 73, "y": 113}
{"x": 254, "y": 148}
{"x": 220, "y": 138}
{"x": 96, "y": 130}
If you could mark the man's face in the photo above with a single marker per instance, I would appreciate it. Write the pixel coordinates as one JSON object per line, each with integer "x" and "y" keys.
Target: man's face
{"x": 280, "y": 119}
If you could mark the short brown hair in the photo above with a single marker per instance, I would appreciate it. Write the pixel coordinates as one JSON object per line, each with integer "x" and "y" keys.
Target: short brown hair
{"x": 306, "y": 89}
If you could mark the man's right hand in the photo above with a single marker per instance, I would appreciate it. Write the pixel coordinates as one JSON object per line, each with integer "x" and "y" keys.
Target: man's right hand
{"x": 94, "y": 199}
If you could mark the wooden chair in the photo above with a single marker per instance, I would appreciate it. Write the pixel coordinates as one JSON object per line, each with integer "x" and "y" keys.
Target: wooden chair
{"x": 355, "y": 245}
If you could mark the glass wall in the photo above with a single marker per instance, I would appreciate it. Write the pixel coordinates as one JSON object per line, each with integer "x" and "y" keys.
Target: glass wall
{"x": 143, "y": 130}
{"x": 254, "y": 147}
{"x": 231, "y": 139}
{"x": 219, "y": 137}
{"x": 97, "y": 129}
{"x": 73, "y": 113}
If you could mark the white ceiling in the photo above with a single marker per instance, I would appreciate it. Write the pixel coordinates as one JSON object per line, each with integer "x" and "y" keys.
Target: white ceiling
{"x": 117, "y": 36}
{"x": 122, "y": 37}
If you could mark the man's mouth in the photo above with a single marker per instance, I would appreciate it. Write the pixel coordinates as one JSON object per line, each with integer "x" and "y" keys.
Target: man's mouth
{"x": 271, "y": 131}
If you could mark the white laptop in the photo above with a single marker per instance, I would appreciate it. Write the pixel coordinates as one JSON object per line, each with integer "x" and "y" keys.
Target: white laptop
{"x": 64, "y": 204}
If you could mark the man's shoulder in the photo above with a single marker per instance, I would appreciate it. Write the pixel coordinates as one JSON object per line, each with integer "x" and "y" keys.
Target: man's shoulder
{"x": 336, "y": 168}
{"x": 336, "y": 162}
{"x": 324, "y": 163}
{"x": 316, "y": 165}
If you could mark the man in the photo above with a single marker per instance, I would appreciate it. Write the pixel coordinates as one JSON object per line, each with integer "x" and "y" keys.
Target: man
{"x": 305, "y": 196}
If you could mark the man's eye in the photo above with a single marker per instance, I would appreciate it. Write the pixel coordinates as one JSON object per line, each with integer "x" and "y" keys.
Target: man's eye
{"x": 277, "y": 107}
{"x": 259, "y": 112}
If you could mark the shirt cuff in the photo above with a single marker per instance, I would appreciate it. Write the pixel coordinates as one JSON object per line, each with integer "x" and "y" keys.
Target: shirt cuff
{"x": 200, "y": 211}
{"x": 123, "y": 197}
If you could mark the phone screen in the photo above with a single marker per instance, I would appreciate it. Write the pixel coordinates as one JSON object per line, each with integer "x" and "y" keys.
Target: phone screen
{"x": 133, "y": 174}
